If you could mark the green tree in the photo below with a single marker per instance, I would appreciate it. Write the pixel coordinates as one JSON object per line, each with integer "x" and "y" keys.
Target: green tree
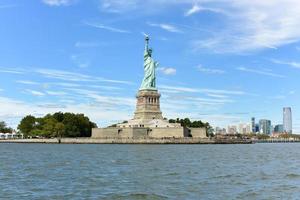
{"x": 172, "y": 121}
{"x": 4, "y": 128}
{"x": 36, "y": 133}
{"x": 186, "y": 122}
{"x": 197, "y": 124}
{"x": 262, "y": 136}
{"x": 49, "y": 127}
{"x": 71, "y": 125}
{"x": 39, "y": 123}
{"x": 27, "y": 124}
{"x": 59, "y": 129}
{"x": 59, "y": 116}
{"x": 94, "y": 125}
{"x": 84, "y": 125}
{"x": 57, "y": 125}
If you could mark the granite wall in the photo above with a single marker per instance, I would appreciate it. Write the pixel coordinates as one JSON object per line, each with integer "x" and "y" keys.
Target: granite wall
{"x": 178, "y": 132}
{"x": 198, "y": 132}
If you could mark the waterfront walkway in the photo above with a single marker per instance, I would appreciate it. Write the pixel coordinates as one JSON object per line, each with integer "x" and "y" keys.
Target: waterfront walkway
{"x": 277, "y": 140}
{"x": 148, "y": 141}
{"x": 129, "y": 141}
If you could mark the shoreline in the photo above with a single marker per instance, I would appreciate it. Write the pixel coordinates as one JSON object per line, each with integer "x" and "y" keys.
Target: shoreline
{"x": 128, "y": 141}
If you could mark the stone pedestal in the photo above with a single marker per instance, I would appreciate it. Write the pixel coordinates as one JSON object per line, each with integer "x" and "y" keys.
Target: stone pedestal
{"x": 148, "y": 105}
{"x": 148, "y": 113}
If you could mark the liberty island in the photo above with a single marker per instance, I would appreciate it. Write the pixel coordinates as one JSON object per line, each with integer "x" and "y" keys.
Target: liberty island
{"x": 148, "y": 126}
{"x": 148, "y": 121}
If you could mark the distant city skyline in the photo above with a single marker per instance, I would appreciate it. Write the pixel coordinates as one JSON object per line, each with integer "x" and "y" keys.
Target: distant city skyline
{"x": 264, "y": 126}
{"x": 215, "y": 66}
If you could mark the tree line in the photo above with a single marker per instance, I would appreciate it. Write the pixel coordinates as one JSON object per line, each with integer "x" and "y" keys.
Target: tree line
{"x": 75, "y": 125}
{"x": 186, "y": 122}
{"x": 4, "y": 128}
{"x": 57, "y": 125}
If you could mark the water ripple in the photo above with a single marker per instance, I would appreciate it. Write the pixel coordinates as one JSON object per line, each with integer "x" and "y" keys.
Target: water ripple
{"x": 41, "y": 171}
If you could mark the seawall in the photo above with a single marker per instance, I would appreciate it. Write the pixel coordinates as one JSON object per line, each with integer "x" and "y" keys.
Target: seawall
{"x": 128, "y": 141}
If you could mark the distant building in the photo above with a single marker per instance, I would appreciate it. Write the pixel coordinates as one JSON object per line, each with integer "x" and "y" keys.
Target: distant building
{"x": 253, "y": 127}
{"x": 232, "y": 130}
{"x": 272, "y": 129}
{"x": 278, "y": 128}
{"x": 219, "y": 130}
{"x": 244, "y": 128}
{"x": 256, "y": 128}
{"x": 12, "y": 135}
{"x": 287, "y": 120}
{"x": 265, "y": 126}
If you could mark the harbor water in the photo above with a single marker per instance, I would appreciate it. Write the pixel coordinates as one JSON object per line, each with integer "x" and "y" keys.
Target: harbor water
{"x": 111, "y": 171}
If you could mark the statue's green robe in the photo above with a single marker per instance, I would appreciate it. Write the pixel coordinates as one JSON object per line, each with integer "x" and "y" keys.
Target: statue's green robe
{"x": 149, "y": 69}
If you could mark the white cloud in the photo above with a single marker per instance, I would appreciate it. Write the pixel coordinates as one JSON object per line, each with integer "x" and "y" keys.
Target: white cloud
{"x": 104, "y": 99}
{"x": 80, "y": 61}
{"x": 247, "y": 25}
{"x": 167, "y": 70}
{"x": 56, "y": 93}
{"x": 193, "y": 107}
{"x": 12, "y": 71}
{"x": 292, "y": 92}
{"x": 167, "y": 27}
{"x": 196, "y": 8}
{"x": 221, "y": 119}
{"x": 176, "y": 89}
{"x": 193, "y": 10}
{"x": 108, "y": 28}
{"x": 34, "y": 93}
{"x": 229, "y": 92}
{"x": 289, "y": 63}
{"x": 62, "y": 75}
{"x": 51, "y": 105}
{"x": 12, "y": 111}
{"x": 58, "y": 2}
{"x": 257, "y": 25}
{"x": 76, "y": 77}
{"x": 210, "y": 70}
{"x": 118, "y": 6}
{"x": 105, "y": 87}
{"x": 26, "y": 82}
{"x": 260, "y": 72}
{"x": 65, "y": 84}
{"x": 217, "y": 96}
{"x": 210, "y": 100}
{"x": 280, "y": 97}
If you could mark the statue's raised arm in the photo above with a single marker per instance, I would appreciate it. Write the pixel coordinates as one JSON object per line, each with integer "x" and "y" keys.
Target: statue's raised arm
{"x": 146, "y": 44}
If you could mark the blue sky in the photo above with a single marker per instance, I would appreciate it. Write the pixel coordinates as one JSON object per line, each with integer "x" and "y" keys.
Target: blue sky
{"x": 220, "y": 61}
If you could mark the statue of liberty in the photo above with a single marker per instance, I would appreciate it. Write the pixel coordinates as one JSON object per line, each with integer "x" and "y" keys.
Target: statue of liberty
{"x": 149, "y": 68}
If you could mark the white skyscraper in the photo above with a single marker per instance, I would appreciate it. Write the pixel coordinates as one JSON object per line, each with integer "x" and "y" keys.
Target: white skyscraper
{"x": 244, "y": 128}
{"x": 287, "y": 120}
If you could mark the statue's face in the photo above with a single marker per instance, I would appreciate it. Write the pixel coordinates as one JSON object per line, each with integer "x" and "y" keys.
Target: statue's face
{"x": 150, "y": 51}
